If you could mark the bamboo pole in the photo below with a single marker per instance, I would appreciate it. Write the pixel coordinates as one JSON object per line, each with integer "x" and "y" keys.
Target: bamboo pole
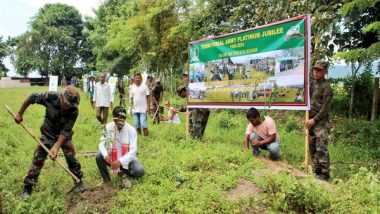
{"x": 307, "y": 145}
{"x": 187, "y": 123}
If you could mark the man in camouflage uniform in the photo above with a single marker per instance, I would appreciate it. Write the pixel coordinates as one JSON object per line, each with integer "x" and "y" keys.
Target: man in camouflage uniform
{"x": 198, "y": 116}
{"x": 56, "y": 132}
{"x": 318, "y": 124}
{"x": 150, "y": 84}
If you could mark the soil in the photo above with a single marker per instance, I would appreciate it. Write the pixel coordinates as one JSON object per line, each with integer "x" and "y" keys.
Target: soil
{"x": 276, "y": 167}
{"x": 96, "y": 199}
{"x": 243, "y": 189}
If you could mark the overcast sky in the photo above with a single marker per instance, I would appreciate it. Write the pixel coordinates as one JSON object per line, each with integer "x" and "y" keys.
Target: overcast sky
{"x": 16, "y": 14}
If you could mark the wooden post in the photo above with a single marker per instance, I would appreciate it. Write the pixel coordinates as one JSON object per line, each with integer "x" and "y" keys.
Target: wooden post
{"x": 375, "y": 99}
{"x": 306, "y": 144}
{"x": 187, "y": 122}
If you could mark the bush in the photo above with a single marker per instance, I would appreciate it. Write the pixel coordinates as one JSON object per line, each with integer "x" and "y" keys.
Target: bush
{"x": 360, "y": 133}
{"x": 363, "y": 94}
{"x": 225, "y": 122}
{"x": 292, "y": 125}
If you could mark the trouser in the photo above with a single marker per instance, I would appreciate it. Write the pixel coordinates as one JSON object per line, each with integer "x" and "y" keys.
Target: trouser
{"x": 40, "y": 157}
{"x": 156, "y": 108}
{"x": 319, "y": 153}
{"x": 198, "y": 122}
{"x": 135, "y": 168}
{"x": 273, "y": 148}
{"x": 102, "y": 111}
{"x": 121, "y": 100}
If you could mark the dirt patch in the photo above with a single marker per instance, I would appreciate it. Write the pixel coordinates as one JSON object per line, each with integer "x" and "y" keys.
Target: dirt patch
{"x": 95, "y": 199}
{"x": 276, "y": 167}
{"x": 243, "y": 189}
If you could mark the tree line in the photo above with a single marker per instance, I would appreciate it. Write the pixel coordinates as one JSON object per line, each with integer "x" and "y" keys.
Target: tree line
{"x": 126, "y": 36}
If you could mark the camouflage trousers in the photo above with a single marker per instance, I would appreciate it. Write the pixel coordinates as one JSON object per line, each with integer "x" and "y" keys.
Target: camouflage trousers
{"x": 39, "y": 159}
{"x": 198, "y": 122}
{"x": 319, "y": 134}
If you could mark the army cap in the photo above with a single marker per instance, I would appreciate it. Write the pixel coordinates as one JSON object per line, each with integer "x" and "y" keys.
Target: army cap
{"x": 71, "y": 95}
{"x": 321, "y": 65}
{"x": 185, "y": 73}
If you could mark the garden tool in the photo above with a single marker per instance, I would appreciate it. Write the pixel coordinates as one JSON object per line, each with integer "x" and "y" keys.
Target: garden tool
{"x": 77, "y": 180}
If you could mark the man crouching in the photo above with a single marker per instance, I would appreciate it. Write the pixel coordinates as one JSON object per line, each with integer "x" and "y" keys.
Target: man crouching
{"x": 262, "y": 134}
{"x": 118, "y": 148}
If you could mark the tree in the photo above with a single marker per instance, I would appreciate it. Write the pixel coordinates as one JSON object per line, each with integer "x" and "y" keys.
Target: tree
{"x": 4, "y": 51}
{"x": 53, "y": 40}
{"x": 24, "y": 59}
{"x": 360, "y": 39}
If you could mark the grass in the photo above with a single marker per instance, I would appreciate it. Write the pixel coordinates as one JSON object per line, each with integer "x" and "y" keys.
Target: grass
{"x": 182, "y": 176}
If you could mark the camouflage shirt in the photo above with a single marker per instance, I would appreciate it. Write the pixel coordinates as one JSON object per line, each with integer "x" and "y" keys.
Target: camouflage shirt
{"x": 321, "y": 96}
{"x": 57, "y": 121}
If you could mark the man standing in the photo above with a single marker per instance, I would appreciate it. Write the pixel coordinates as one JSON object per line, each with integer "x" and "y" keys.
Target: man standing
{"x": 262, "y": 134}
{"x": 118, "y": 148}
{"x": 102, "y": 99}
{"x": 140, "y": 102}
{"x": 157, "y": 95}
{"x": 91, "y": 89}
{"x": 198, "y": 116}
{"x": 121, "y": 88}
{"x": 56, "y": 132}
{"x": 318, "y": 124}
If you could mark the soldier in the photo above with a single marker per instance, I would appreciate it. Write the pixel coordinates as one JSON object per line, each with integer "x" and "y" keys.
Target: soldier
{"x": 56, "y": 132}
{"x": 198, "y": 116}
{"x": 121, "y": 88}
{"x": 157, "y": 95}
{"x": 318, "y": 124}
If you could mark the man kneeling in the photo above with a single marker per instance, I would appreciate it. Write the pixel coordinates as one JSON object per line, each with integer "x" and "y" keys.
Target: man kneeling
{"x": 118, "y": 148}
{"x": 262, "y": 134}
{"x": 172, "y": 116}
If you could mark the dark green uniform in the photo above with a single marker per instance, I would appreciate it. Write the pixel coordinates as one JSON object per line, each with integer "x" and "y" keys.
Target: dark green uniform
{"x": 56, "y": 122}
{"x": 321, "y": 96}
{"x": 198, "y": 118}
{"x": 198, "y": 122}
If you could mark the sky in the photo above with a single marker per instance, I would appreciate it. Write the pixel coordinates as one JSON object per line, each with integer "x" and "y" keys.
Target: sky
{"x": 15, "y": 16}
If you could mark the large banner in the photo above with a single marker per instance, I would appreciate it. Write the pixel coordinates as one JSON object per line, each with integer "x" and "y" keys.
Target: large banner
{"x": 263, "y": 67}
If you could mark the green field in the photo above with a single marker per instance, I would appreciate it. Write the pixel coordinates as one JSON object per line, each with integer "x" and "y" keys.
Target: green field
{"x": 182, "y": 176}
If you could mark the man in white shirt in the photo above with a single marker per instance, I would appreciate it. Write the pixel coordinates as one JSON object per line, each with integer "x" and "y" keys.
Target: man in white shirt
{"x": 140, "y": 102}
{"x": 102, "y": 99}
{"x": 118, "y": 148}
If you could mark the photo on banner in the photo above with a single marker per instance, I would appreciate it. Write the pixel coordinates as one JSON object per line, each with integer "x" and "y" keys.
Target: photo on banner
{"x": 265, "y": 67}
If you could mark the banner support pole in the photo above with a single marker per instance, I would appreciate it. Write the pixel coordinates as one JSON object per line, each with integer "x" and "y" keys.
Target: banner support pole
{"x": 307, "y": 144}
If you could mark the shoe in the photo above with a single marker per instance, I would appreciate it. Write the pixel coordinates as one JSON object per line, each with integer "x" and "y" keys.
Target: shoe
{"x": 79, "y": 187}
{"x": 256, "y": 153}
{"x": 27, "y": 191}
{"x": 322, "y": 177}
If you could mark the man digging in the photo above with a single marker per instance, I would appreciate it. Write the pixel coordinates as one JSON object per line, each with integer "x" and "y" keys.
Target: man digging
{"x": 56, "y": 132}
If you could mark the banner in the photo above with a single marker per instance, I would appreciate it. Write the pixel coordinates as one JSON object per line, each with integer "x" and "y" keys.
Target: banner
{"x": 112, "y": 81}
{"x": 263, "y": 67}
{"x": 53, "y": 83}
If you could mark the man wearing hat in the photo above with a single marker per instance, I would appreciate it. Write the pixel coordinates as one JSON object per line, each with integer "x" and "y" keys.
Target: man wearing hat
{"x": 56, "y": 132}
{"x": 157, "y": 95}
{"x": 321, "y": 96}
